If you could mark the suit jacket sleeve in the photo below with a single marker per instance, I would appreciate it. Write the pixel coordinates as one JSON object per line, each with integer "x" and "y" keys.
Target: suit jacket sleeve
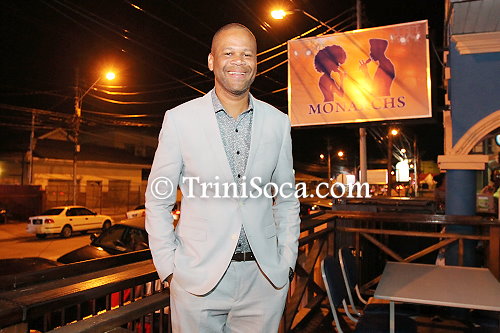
{"x": 286, "y": 207}
{"x": 164, "y": 178}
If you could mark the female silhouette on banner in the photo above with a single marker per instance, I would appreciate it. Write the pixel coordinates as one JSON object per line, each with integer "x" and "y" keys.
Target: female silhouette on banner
{"x": 328, "y": 61}
{"x": 385, "y": 73}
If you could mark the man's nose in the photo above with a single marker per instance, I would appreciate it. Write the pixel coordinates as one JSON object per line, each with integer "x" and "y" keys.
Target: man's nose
{"x": 238, "y": 60}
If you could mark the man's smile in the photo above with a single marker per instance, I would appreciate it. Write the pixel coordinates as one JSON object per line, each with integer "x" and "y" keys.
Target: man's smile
{"x": 237, "y": 73}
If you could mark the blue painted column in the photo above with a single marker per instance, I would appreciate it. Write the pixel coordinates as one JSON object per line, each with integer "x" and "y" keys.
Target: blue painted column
{"x": 461, "y": 192}
{"x": 461, "y": 200}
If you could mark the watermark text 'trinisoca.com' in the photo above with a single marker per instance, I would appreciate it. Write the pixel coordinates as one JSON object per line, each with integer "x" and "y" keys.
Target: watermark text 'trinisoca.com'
{"x": 163, "y": 188}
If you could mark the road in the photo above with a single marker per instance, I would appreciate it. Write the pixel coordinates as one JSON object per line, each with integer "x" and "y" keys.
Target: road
{"x": 15, "y": 242}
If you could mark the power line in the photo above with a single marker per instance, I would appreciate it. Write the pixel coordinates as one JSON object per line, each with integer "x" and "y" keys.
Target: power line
{"x": 103, "y": 25}
{"x": 185, "y": 12}
{"x": 133, "y": 102}
{"x": 303, "y": 34}
{"x": 122, "y": 115}
{"x": 38, "y": 111}
{"x": 286, "y": 60}
{"x": 168, "y": 24}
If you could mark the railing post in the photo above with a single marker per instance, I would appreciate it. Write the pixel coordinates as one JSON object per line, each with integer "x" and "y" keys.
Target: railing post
{"x": 494, "y": 253}
{"x": 331, "y": 237}
{"x": 460, "y": 251}
{"x": 358, "y": 256}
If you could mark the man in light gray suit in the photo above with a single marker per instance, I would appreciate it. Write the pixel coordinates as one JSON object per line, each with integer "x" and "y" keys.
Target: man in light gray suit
{"x": 230, "y": 258}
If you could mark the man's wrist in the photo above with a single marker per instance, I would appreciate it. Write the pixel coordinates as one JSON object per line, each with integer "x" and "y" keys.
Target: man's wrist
{"x": 168, "y": 280}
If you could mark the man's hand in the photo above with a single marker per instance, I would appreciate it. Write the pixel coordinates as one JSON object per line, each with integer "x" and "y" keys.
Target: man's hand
{"x": 168, "y": 279}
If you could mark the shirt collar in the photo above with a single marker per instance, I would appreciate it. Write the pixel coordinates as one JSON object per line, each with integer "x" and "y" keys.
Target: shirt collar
{"x": 218, "y": 105}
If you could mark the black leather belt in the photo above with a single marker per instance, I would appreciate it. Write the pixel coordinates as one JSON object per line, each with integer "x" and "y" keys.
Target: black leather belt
{"x": 243, "y": 256}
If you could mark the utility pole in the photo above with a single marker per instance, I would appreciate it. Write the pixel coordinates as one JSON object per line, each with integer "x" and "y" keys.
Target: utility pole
{"x": 389, "y": 163}
{"x": 362, "y": 131}
{"x": 416, "y": 164}
{"x": 76, "y": 124}
{"x": 32, "y": 147}
{"x": 76, "y": 133}
{"x": 329, "y": 151}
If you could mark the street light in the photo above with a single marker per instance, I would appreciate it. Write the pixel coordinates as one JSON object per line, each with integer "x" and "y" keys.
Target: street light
{"x": 78, "y": 116}
{"x": 280, "y": 14}
{"x": 110, "y": 75}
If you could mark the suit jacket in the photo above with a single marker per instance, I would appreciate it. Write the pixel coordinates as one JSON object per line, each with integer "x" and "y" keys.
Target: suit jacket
{"x": 200, "y": 248}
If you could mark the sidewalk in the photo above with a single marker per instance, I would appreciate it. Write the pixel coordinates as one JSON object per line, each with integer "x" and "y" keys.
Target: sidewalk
{"x": 17, "y": 229}
{"x": 13, "y": 230}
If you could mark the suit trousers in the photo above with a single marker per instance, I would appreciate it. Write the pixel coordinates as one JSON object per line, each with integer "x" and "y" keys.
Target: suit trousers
{"x": 243, "y": 301}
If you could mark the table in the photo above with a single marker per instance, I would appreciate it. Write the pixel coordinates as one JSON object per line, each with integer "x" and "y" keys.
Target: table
{"x": 454, "y": 286}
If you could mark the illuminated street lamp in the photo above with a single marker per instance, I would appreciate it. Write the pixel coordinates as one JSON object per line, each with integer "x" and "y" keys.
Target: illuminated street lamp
{"x": 340, "y": 154}
{"x": 280, "y": 14}
{"x": 78, "y": 116}
{"x": 110, "y": 76}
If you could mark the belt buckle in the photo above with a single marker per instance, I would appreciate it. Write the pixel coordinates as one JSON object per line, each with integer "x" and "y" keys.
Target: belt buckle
{"x": 244, "y": 256}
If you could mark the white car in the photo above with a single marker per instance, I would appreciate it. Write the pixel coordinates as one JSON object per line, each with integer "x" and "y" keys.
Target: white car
{"x": 140, "y": 211}
{"x": 65, "y": 220}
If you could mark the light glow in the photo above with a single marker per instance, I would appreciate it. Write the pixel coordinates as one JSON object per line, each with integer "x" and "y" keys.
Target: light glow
{"x": 278, "y": 14}
{"x": 110, "y": 76}
{"x": 403, "y": 171}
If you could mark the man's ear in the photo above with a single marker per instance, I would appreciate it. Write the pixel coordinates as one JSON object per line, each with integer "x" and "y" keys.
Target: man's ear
{"x": 211, "y": 62}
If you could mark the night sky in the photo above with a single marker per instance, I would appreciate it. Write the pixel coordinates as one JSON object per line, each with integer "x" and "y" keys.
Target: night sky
{"x": 159, "y": 51}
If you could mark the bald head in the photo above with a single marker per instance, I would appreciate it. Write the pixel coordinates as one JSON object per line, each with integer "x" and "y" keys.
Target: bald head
{"x": 230, "y": 26}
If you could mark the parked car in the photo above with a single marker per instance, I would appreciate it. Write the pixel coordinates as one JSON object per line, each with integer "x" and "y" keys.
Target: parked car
{"x": 137, "y": 212}
{"x": 65, "y": 220}
{"x": 13, "y": 266}
{"x": 141, "y": 211}
{"x": 125, "y": 236}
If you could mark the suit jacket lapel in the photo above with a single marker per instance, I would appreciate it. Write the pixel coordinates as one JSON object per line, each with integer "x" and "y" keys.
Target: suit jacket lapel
{"x": 257, "y": 126}
{"x": 214, "y": 139}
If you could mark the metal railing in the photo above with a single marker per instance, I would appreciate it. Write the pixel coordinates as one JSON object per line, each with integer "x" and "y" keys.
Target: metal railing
{"x": 91, "y": 296}
{"x": 124, "y": 291}
{"x": 384, "y": 231}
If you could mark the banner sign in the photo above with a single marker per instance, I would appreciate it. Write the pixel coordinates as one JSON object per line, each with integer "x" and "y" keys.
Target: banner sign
{"x": 360, "y": 76}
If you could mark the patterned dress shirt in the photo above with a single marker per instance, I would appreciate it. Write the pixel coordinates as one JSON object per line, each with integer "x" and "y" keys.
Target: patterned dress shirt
{"x": 236, "y": 137}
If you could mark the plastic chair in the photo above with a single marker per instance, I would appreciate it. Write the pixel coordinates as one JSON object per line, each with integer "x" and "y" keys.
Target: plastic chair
{"x": 349, "y": 273}
{"x": 348, "y": 265}
{"x": 337, "y": 294}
